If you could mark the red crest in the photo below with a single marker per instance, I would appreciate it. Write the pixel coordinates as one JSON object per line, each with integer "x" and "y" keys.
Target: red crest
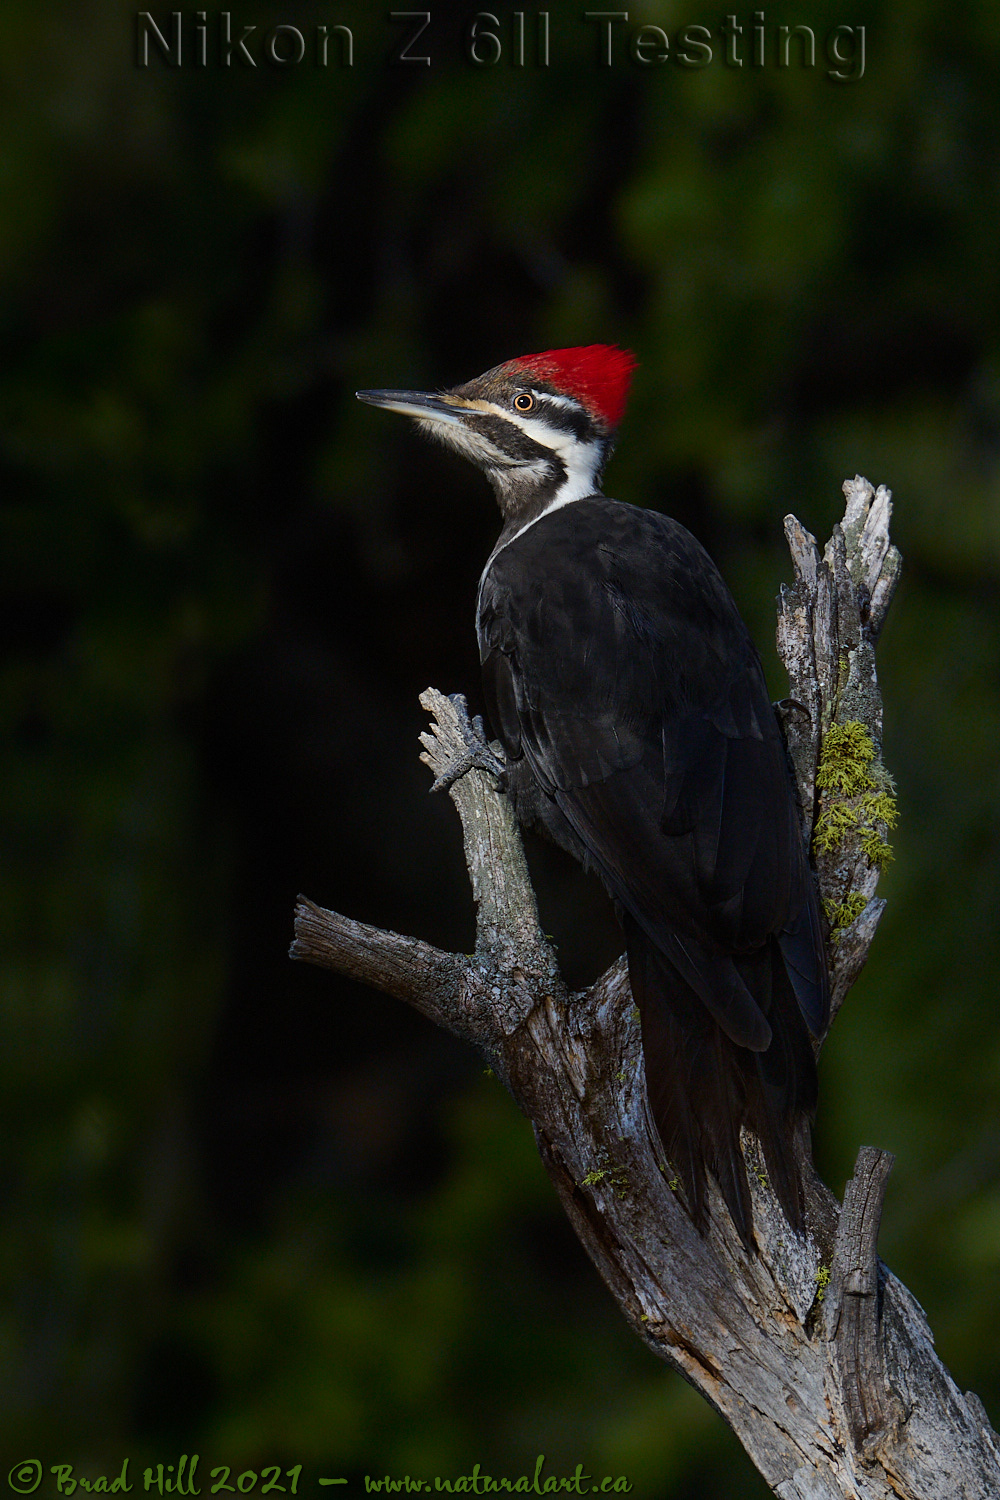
{"x": 598, "y": 375}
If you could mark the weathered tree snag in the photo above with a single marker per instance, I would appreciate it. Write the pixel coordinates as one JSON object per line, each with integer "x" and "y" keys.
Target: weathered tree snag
{"x": 817, "y": 1357}
{"x": 874, "y": 1411}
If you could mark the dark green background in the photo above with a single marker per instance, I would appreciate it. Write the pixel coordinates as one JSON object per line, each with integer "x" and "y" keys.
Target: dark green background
{"x": 270, "y": 1217}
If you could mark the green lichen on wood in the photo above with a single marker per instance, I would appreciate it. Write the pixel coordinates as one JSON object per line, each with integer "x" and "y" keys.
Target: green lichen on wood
{"x": 859, "y": 795}
{"x": 880, "y": 807}
{"x": 616, "y": 1178}
{"x": 875, "y": 849}
{"x": 835, "y": 821}
{"x": 840, "y": 914}
{"x": 846, "y": 756}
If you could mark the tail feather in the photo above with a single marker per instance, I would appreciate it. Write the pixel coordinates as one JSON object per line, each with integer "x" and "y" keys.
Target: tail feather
{"x": 703, "y": 1087}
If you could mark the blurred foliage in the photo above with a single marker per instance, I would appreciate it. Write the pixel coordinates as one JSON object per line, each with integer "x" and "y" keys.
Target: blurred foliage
{"x": 257, "y": 1214}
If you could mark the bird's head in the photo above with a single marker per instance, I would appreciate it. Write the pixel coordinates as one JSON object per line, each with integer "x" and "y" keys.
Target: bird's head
{"x": 540, "y": 427}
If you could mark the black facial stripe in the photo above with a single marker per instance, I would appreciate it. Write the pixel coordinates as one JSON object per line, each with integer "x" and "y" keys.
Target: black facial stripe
{"x": 564, "y": 418}
{"x": 521, "y": 507}
{"x": 506, "y": 436}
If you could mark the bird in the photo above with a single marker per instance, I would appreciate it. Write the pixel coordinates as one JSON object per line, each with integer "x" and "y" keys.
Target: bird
{"x": 637, "y": 733}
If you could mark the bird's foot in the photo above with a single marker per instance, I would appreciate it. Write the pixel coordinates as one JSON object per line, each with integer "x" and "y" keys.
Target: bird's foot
{"x": 459, "y": 746}
{"x": 786, "y": 707}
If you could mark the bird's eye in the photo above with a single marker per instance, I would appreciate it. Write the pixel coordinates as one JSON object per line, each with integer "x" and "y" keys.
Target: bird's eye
{"x": 524, "y": 401}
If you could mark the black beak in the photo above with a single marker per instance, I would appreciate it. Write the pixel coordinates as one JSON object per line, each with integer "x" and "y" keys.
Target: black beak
{"x": 413, "y": 404}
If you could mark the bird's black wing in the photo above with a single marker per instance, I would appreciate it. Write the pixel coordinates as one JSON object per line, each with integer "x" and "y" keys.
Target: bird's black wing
{"x": 616, "y": 664}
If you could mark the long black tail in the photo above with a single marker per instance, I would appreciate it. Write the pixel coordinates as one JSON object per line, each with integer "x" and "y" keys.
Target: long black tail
{"x": 703, "y": 1087}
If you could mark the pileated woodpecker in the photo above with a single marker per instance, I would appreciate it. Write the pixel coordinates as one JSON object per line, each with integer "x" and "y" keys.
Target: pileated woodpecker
{"x": 638, "y": 734}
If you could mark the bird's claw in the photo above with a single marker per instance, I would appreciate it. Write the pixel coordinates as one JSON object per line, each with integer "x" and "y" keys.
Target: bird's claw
{"x": 475, "y": 754}
{"x": 786, "y": 707}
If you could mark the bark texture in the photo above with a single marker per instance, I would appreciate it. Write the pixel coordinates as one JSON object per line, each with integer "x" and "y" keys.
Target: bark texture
{"x": 818, "y": 1358}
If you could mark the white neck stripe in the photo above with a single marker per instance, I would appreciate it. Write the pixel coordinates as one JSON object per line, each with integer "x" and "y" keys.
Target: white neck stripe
{"x": 569, "y": 491}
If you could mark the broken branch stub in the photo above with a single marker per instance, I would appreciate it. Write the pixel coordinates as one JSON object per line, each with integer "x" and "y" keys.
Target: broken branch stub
{"x": 829, "y": 621}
